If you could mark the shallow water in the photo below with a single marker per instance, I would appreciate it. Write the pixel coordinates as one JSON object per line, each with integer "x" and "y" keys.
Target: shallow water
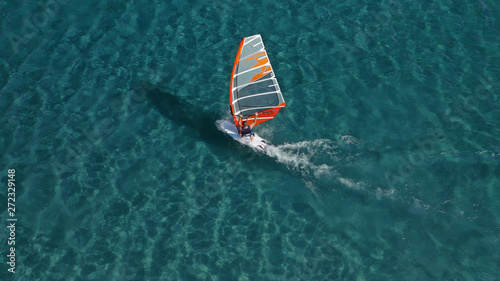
{"x": 384, "y": 166}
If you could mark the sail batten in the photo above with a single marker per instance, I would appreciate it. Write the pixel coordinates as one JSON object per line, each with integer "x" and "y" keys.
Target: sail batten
{"x": 256, "y": 95}
{"x": 252, "y": 54}
{"x": 255, "y": 82}
{"x": 254, "y": 88}
{"x": 250, "y": 40}
{"x": 253, "y": 68}
{"x": 261, "y": 107}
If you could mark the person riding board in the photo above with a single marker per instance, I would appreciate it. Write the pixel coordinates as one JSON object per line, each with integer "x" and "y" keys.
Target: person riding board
{"x": 245, "y": 129}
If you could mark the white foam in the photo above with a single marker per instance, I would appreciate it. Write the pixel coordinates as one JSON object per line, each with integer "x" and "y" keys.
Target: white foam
{"x": 306, "y": 158}
{"x": 299, "y": 155}
{"x": 350, "y": 183}
{"x": 315, "y": 161}
{"x": 349, "y": 140}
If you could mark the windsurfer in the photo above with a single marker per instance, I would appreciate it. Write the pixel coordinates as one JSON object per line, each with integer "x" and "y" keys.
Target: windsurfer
{"x": 245, "y": 129}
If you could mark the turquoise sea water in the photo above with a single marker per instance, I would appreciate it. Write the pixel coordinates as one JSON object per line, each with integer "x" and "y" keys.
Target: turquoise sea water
{"x": 384, "y": 166}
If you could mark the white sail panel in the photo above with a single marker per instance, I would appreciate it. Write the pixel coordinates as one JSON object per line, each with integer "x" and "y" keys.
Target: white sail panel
{"x": 254, "y": 87}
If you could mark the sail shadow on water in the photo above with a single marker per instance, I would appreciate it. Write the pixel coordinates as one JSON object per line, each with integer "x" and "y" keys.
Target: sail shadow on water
{"x": 312, "y": 162}
{"x": 200, "y": 123}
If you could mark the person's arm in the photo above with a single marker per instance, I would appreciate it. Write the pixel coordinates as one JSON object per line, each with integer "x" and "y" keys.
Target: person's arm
{"x": 254, "y": 120}
{"x": 240, "y": 120}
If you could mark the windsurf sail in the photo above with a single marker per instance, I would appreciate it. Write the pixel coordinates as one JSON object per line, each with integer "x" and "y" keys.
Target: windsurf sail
{"x": 254, "y": 87}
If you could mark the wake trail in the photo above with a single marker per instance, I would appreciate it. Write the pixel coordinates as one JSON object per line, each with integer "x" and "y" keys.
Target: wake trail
{"x": 316, "y": 162}
{"x": 303, "y": 156}
{"x": 313, "y": 160}
{"x": 319, "y": 163}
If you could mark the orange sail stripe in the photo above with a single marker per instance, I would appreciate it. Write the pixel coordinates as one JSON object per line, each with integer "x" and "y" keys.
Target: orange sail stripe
{"x": 261, "y": 74}
{"x": 261, "y": 62}
{"x": 255, "y": 56}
